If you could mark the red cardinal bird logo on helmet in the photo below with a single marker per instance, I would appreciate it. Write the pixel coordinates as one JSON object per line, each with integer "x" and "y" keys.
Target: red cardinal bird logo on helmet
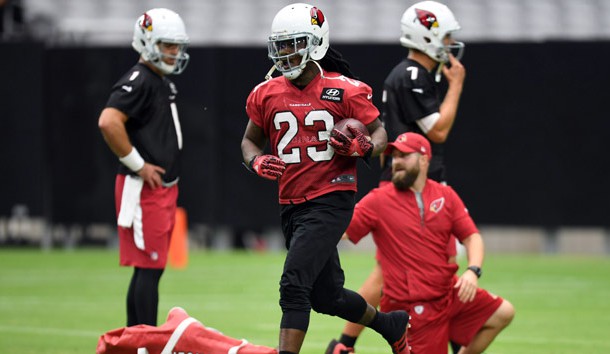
{"x": 146, "y": 22}
{"x": 317, "y": 17}
{"x": 426, "y": 18}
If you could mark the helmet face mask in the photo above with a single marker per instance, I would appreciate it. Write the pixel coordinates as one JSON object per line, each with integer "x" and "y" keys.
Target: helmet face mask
{"x": 456, "y": 49}
{"x": 427, "y": 26}
{"x": 299, "y": 33}
{"x": 290, "y": 55}
{"x": 160, "y": 38}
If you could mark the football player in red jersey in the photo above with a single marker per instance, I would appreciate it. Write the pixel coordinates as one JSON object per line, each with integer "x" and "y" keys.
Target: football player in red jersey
{"x": 411, "y": 220}
{"x": 140, "y": 125}
{"x": 294, "y": 114}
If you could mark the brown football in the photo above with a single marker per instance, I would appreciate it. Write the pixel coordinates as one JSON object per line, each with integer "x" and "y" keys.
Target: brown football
{"x": 354, "y": 123}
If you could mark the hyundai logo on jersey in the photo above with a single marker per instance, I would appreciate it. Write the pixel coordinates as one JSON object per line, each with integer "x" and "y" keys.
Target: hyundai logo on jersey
{"x": 332, "y": 94}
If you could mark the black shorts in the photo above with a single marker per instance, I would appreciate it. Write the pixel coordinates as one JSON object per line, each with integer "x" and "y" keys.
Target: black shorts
{"x": 312, "y": 230}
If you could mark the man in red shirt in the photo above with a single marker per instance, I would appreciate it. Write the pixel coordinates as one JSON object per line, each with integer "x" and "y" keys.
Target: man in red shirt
{"x": 295, "y": 114}
{"x": 411, "y": 220}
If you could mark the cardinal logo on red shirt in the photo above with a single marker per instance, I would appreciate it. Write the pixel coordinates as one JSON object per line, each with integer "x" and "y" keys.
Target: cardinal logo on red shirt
{"x": 426, "y": 18}
{"x": 437, "y": 205}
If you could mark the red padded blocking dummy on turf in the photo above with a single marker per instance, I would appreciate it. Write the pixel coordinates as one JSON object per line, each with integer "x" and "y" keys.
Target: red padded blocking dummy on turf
{"x": 179, "y": 334}
{"x": 178, "y": 248}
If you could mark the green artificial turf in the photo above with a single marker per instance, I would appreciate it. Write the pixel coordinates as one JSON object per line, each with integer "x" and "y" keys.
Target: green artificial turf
{"x": 62, "y": 301}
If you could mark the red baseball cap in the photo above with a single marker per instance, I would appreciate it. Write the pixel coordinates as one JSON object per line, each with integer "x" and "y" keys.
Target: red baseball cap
{"x": 410, "y": 142}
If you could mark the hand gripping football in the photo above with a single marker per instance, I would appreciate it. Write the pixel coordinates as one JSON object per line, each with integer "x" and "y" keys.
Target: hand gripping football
{"x": 354, "y": 123}
{"x": 350, "y": 137}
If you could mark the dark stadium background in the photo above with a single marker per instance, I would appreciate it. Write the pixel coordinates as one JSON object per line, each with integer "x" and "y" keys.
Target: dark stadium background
{"x": 530, "y": 146}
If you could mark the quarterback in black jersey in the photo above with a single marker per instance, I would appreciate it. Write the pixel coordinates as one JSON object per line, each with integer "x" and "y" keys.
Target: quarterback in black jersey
{"x": 412, "y": 103}
{"x": 411, "y": 97}
{"x": 140, "y": 125}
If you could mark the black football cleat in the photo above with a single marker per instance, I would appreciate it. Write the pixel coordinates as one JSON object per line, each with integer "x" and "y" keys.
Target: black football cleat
{"x": 401, "y": 346}
{"x": 336, "y": 347}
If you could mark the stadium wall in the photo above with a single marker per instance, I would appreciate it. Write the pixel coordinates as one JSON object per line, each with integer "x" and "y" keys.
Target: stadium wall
{"x": 528, "y": 148}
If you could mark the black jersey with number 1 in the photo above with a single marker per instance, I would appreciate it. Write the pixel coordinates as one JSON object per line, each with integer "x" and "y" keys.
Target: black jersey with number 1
{"x": 153, "y": 125}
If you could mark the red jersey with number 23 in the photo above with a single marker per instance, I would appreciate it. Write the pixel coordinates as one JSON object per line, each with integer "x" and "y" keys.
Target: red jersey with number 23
{"x": 298, "y": 125}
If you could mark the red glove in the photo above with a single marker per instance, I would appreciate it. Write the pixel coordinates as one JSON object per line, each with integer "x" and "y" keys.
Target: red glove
{"x": 267, "y": 166}
{"x": 358, "y": 146}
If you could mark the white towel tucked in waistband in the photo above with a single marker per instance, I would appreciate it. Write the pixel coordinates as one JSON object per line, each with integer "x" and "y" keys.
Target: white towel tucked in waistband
{"x": 130, "y": 200}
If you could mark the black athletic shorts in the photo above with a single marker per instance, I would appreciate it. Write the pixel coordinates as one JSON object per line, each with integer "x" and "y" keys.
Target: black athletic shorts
{"x": 312, "y": 231}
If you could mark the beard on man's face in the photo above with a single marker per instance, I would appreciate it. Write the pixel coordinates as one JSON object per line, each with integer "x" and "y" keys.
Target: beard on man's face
{"x": 404, "y": 179}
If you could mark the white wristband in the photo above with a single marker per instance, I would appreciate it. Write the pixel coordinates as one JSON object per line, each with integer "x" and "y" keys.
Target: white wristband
{"x": 133, "y": 160}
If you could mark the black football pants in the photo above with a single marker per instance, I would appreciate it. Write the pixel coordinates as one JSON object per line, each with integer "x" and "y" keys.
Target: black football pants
{"x": 312, "y": 276}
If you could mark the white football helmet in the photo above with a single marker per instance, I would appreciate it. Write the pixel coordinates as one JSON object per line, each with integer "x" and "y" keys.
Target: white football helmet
{"x": 297, "y": 31}
{"x": 156, "y": 26}
{"x": 424, "y": 27}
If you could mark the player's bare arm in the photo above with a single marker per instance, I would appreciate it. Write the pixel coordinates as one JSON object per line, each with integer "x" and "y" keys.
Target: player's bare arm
{"x": 267, "y": 166}
{"x": 469, "y": 280}
{"x": 253, "y": 142}
{"x": 112, "y": 125}
{"x": 455, "y": 75}
{"x": 379, "y": 137}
